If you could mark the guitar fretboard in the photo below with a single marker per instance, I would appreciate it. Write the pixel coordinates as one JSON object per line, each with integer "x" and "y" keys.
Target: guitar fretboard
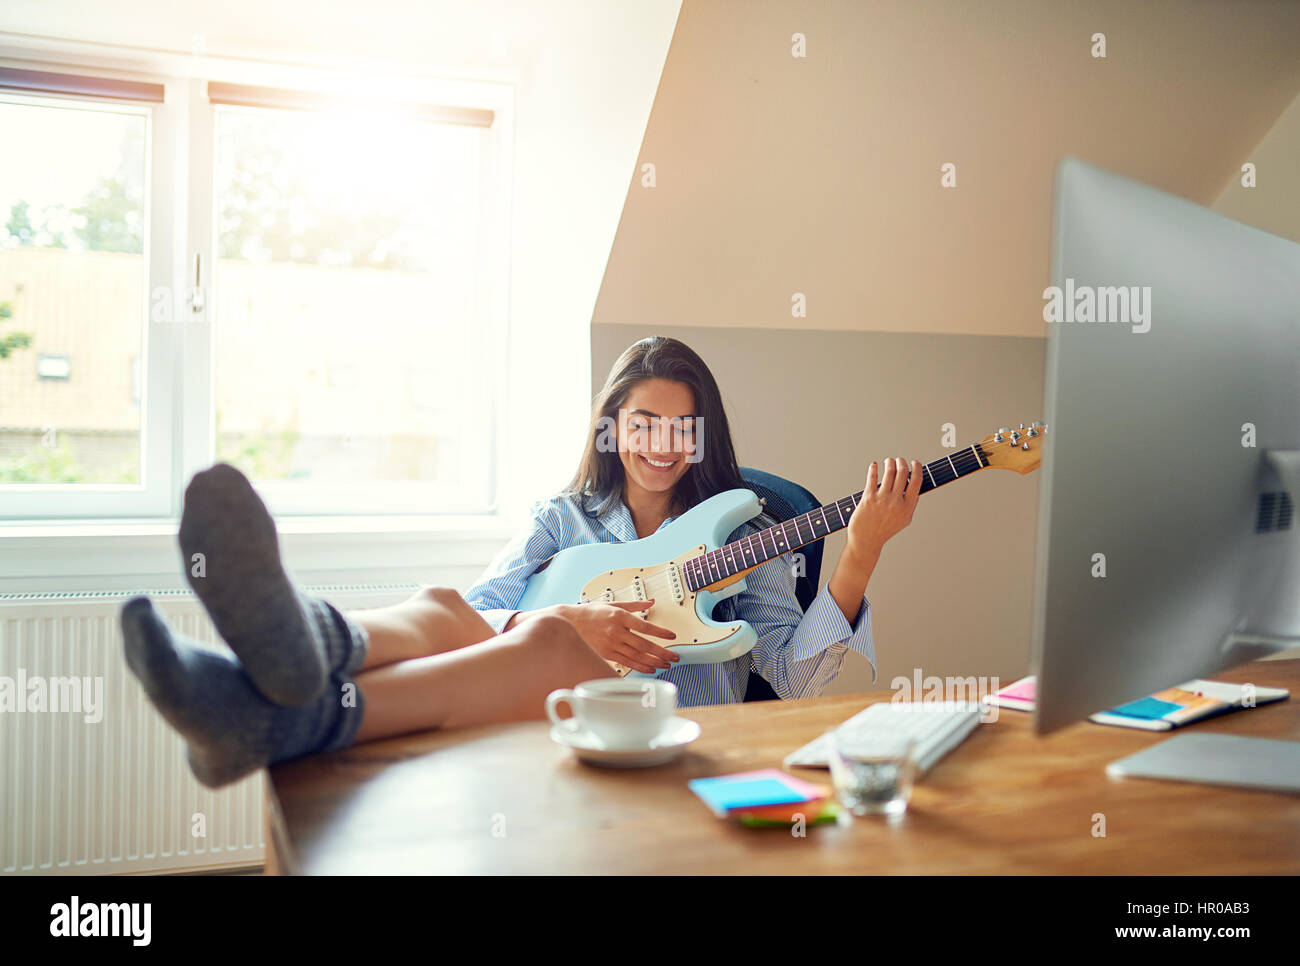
{"x": 748, "y": 552}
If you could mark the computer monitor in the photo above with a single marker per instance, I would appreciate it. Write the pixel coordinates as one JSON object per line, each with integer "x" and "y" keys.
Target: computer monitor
{"x": 1167, "y": 547}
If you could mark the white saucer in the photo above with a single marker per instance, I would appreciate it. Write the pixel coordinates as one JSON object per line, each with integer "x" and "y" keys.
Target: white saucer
{"x": 667, "y": 745}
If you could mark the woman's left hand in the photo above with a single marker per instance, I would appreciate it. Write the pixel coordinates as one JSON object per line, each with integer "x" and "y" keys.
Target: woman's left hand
{"x": 888, "y": 503}
{"x": 887, "y": 507}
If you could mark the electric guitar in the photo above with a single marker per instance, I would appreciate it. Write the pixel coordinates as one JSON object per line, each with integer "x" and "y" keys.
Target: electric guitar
{"x": 687, "y": 570}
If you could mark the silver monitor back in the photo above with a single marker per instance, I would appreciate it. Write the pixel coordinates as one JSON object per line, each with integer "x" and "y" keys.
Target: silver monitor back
{"x": 1167, "y": 548}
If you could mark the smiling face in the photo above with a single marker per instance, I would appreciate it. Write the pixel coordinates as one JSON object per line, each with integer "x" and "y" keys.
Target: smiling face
{"x": 656, "y": 435}
{"x": 646, "y": 442}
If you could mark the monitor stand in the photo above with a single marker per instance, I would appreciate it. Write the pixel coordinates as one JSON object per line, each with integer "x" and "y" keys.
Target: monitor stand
{"x": 1272, "y": 621}
{"x": 1260, "y": 763}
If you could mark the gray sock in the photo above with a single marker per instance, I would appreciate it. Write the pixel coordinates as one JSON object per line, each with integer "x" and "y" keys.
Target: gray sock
{"x": 230, "y": 729}
{"x": 285, "y": 640}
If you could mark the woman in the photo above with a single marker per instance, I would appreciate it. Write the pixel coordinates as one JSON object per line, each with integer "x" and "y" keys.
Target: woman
{"x": 661, "y": 398}
{"x": 306, "y": 678}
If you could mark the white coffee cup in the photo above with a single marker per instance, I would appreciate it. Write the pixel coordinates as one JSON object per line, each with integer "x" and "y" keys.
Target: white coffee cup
{"x": 620, "y": 712}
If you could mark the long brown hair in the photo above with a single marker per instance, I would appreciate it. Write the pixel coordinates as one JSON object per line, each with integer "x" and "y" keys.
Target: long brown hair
{"x": 600, "y": 479}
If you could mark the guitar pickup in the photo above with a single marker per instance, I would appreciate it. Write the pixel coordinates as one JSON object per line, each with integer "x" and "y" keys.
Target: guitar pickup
{"x": 675, "y": 583}
{"x": 638, "y": 589}
{"x": 604, "y": 597}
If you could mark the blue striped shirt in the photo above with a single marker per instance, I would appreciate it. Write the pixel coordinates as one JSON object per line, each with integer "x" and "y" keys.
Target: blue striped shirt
{"x": 798, "y": 653}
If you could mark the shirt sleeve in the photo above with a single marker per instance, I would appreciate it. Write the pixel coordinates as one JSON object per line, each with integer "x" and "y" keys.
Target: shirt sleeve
{"x": 497, "y": 593}
{"x": 799, "y": 653}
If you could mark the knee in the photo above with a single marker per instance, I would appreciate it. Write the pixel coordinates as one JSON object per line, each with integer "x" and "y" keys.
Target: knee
{"x": 554, "y": 637}
{"x": 443, "y": 597}
{"x": 547, "y": 629}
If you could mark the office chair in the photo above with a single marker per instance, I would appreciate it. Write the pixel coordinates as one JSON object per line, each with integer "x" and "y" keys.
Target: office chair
{"x": 785, "y": 500}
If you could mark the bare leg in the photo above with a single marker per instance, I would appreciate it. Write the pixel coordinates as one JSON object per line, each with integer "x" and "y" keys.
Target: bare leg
{"x": 503, "y": 679}
{"x": 434, "y": 620}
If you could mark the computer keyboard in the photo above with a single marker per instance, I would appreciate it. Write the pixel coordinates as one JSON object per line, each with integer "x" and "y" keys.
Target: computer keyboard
{"x": 937, "y": 726}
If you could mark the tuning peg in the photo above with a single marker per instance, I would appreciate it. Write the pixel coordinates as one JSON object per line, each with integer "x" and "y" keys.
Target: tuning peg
{"x": 1015, "y": 437}
{"x": 1033, "y": 431}
{"x": 1024, "y": 446}
{"x": 998, "y": 438}
{"x": 1022, "y": 425}
{"x": 1003, "y": 429}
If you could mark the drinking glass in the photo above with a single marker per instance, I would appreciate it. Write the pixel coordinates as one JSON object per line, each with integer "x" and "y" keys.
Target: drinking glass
{"x": 872, "y": 774}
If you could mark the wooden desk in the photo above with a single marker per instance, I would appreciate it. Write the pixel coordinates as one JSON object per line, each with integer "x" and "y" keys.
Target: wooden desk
{"x": 1002, "y": 802}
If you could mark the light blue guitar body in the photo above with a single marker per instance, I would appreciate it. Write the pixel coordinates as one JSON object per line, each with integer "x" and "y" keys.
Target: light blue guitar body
{"x": 642, "y": 569}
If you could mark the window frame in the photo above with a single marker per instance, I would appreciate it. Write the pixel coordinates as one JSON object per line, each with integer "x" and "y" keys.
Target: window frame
{"x": 151, "y": 496}
{"x": 178, "y": 405}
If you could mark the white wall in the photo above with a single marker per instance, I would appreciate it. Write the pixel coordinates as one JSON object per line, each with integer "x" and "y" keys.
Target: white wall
{"x": 821, "y": 174}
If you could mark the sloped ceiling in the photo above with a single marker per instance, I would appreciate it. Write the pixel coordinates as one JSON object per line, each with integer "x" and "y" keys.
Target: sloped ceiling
{"x": 821, "y": 175}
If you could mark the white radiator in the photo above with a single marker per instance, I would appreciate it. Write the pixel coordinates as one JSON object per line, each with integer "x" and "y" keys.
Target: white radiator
{"x": 89, "y": 790}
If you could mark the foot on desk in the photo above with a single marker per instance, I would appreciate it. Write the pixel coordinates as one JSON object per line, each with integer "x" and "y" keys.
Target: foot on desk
{"x": 229, "y": 727}
{"x": 286, "y": 641}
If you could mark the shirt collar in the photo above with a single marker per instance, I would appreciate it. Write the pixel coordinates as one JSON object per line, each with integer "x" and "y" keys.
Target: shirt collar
{"x": 618, "y": 521}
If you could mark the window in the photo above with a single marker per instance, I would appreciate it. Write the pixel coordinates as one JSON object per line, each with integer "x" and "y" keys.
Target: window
{"x": 53, "y": 367}
{"x": 347, "y": 329}
{"x": 307, "y": 285}
{"x": 73, "y": 279}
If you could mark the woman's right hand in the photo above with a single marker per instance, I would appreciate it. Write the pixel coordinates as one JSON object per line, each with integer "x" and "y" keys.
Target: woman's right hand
{"x": 614, "y": 632}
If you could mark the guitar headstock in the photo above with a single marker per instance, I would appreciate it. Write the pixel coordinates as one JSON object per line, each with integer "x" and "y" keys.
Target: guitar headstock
{"x": 1015, "y": 449}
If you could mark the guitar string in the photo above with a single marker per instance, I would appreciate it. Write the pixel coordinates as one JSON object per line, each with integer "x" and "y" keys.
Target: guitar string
{"x": 662, "y": 578}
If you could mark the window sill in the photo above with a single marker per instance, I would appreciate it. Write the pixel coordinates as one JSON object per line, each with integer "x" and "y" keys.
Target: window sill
{"x": 481, "y": 524}
{"x": 116, "y": 554}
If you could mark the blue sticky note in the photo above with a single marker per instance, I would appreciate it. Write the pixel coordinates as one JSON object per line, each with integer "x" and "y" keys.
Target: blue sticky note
{"x": 722, "y": 795}
{"x": 1147, "y": 708}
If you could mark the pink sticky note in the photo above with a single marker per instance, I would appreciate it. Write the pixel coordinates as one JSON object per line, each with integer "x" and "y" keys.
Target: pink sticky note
{"x": 1024, "y": 690}
{"x": 796, "y": 784}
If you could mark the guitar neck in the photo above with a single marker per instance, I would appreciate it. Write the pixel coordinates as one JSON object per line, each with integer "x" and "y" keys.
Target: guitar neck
{"x": 725, "y": 563}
